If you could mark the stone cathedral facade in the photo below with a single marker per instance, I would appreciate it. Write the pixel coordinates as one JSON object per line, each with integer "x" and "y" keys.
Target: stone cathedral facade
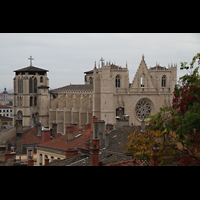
{"x": 106, "y": 94}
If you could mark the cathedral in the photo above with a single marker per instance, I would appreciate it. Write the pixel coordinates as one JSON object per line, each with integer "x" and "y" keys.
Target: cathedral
{"x": 106, "y": 94}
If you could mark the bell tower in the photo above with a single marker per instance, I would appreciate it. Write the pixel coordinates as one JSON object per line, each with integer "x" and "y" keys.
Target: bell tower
{"x": 108, "y": 81}
{"x": 31, "y": 95}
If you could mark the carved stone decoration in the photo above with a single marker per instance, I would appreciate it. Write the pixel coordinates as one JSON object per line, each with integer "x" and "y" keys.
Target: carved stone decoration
{"x": 143, "y": 109}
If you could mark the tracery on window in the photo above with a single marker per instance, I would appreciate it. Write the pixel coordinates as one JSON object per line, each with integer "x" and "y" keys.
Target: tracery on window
{"x": 143, "y": 109}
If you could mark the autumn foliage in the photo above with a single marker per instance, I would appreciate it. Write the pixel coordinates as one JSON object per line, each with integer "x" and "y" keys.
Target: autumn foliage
{"x": 173, "y": 135}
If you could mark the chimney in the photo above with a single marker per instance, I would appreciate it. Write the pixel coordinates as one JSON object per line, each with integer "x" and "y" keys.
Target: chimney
{"x": 30, "y": 162}
{"x": 69, "y": 133}
{"x": 46, "y": 161}
{"x": 46, "y": 135}
{"x": 38, "y": 129}
{"x": 54, "y": 130}
{"x": 106, "y": 140}
{"x": 101, "y": 139}
{"x": 94, "y": 153}
{"x": 71, "y": 153}
{"x": 98, "y": 127}
{"x": 93, "y": 119}
{"x": 109, "y": 127}
{"x": 74, "y": 125}
{"x": 8, "y": 156}
{"x": 19, "y": 131}
{"x": 121, "y": 121}
{"x": 95, "y": 130}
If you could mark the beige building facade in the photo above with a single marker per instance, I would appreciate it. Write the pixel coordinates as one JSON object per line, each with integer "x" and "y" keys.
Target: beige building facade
{"x": 106, "y": 94}
{"x": 107, "y": 90}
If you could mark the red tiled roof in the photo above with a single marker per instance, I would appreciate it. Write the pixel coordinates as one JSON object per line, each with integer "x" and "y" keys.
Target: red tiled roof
{"x": 60, "y": 143}
{"x": 3, "y": 106}
{"x": 28, "y": 137}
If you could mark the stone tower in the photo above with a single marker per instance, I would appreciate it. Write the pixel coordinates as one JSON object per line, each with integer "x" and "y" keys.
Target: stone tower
{"x": 107, "y": 82}
{"x": 31, "y": 96}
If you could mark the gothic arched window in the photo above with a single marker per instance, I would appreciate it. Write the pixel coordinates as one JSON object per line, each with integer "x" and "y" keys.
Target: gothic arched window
{"x": 31, "y": 101}
{"x": 20, "y": 85}
{"x": 30, "y": 86}
{"x": 91, "y": 80}
{"x": 19, "y": 114}
{"x": 41, "y": 79}
{"x": 35, "y": 85}
{"x": 117, "y": 81}
{"x": 163, "y": 81}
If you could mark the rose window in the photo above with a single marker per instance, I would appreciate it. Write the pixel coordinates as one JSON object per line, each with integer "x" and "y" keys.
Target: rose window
{"x": 143, "y": 109}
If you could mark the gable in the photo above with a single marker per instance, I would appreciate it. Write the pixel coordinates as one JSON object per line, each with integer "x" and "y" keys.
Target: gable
{"x": 143, "y": 72}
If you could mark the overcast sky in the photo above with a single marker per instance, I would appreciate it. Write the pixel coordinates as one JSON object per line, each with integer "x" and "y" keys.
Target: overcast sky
{"x": 68, "y": 55}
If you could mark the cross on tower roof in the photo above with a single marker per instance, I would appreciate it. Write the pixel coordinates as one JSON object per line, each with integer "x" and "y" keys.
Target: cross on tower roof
{"x": 101, "y": 59}
{"x": 31, "y": 60}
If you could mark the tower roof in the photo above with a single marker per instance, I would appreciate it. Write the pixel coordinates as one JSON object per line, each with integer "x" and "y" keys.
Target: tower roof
{"x": 31, "y": 69}
{"x": 4, "y": 92}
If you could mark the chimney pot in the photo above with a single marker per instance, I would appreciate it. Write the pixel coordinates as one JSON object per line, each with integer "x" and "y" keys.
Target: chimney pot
{"x": 54, "y": 130}
{"x": 38, "y": 129}
{"x": 30, "y": 162}
{"x": 46, "y": 135}
{"x": 74, "y": 125}
{"x": 71, "y": 153}
{"x": 69, "y": 133}
{"x": 94, "y": 151}
{"x": 93, "y": 119}
{"x": 46, "y": 161}
{"x": 106, "y": 140}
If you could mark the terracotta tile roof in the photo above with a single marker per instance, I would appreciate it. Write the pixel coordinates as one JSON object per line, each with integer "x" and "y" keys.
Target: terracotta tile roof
{"x": 127, "y": 163}
{"x": 59, "y": 143}
{"x": 106, "y": 157}
{"x": 3, "y": 106}
{"x": 28, "y": 137}
{"x": 111, "y": 156}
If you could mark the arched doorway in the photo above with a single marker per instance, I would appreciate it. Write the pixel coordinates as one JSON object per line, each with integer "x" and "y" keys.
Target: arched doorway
{"x": 19, "y": 115}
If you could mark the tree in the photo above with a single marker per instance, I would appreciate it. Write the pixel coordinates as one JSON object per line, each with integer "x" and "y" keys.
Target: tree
{"x": 173, "y": 135}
